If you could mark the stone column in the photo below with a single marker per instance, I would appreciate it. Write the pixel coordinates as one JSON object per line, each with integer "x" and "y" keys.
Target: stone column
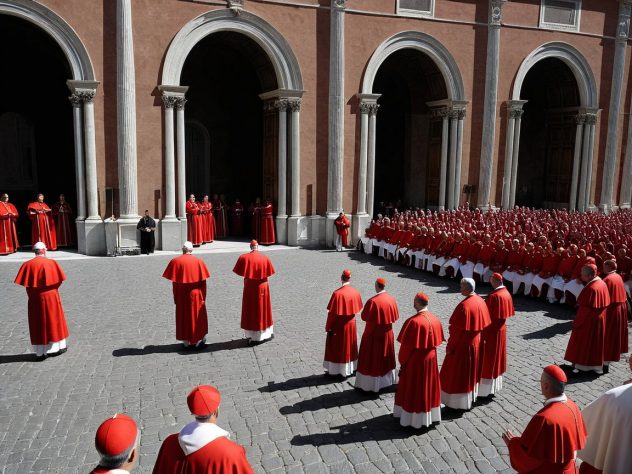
{"x": 336, "y": 114}
{"x": 91, "y": 154}
{"x": 516, "y": 156}
{"x": 126, "y": 111}
{"x": 444, "y": 113}
{"x": 591, "y": 121}
{"x": 282, "y": 105}
{"x": 370, "y": 173}
{"x": 294, "y": 106}
{"x": 509, "y": 142}
{"x": 625, "y": 199}
{"x": 611, "y": 161}
{"x": 362, "y": 169}
{"x": 460, "y": 117}
{"x": 577, "y": 156}
{"x": 170, "y": 171}
{"x": 452, "y": 160}
{"x": 181, "y": 157}
{"x": 489, "y": 111}
{"x": 80, "y": 178}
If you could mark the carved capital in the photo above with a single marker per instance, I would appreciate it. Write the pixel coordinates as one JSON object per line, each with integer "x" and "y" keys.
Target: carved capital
{"x": 238, "y": 4}
{"x": 580, "y": 119}
{"x": 86, "y": 96}
{"x": 456, "y": 114}
{"x": 179, "y": 103}
{"x": 442, "y": 112}
{"x": 495, "y": 12}
{"x": 75, "y": 100}
{"x": 591, "y": 119}
{"x": 338, "y": 4}
{"x": 170, "y": 101}
{"x": 281, "y": 104}
{"x": 373, "y": 108}
{"x": 623, "y": 28}
{"x": 515, "y": 113}
{"x": 294, "y": 105}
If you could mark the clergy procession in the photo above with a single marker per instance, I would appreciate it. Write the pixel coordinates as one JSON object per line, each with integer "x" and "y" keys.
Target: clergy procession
{"x": 579, "y": 261}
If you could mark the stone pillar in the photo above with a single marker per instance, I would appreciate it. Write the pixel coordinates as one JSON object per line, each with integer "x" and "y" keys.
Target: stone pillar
{"x": 362, "y": 169}
{"x": 126, "y": 111}
{"x": 452, "y": 161}
{"x": 181, "y": 157}
{"x": 294, "y": 106}
{"x": 370, "y": 173}
{"x": 282, "y": 105}
{"x": 577, "y": 156}
{"x": 591, "y": 121}
{"x": 91, "y": 154}
{"x": 625, "y": 199}
{"x": 336, "y": 114}
{"x": 509, "y": 142}
{"x": 516, "y": 156}
{"x": 170, "y": 170}
{"x": 460, "y": 117}
{"x": 489, "y": 111}
{"x": 444, "y": 113}
{"x": 80, "y": 177}
{"x": 611, "y": 161}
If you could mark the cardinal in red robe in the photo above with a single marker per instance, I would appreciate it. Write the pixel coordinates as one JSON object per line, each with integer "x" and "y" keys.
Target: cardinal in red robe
{"x": 42, "y": 278}
{"x": 256, "y": 307}
{"x": 376, "y": 363}
{"x": 418, "y": 395}
{"x": 8, "y": 234}
{"x": 586, "y": 345}
{"x": 342, "y": 231}
{"x": 268, "y": 236}
{"x": 116, "y": 441}
{"x": 616, "y": 335}
{"x": 255, "y": 219}
{"x": 553, "y": 436}
{"x": 341, "y": 348}
{"x": 494, "y": 337}
{"x": 43, "y": 225}
{"x": 461, "y": 369}
{"x": 189, "y": 274}
{"x": 64, "y": 223}
{"x": 195, "y": 233}
{"x": 219, "y": 214}
{"x": 207, "y": 220}
{"x": 202, "y": 447}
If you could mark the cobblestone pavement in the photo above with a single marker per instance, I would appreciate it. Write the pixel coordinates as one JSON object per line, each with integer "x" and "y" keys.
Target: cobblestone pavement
{"x": 276, "y": 402}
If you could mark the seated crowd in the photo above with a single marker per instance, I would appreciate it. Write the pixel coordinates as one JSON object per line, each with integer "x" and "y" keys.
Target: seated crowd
{"x": 540, "y": 253}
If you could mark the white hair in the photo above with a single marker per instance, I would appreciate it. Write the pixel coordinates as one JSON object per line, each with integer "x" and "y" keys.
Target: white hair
{"x": 469, "y": 282}
{"x": 187, "y": 246}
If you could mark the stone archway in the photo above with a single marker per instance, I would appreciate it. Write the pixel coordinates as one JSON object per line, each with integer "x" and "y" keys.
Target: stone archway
{"x": 82, "y": 85}
{"x": 450, "y": 111}
{"x": 285, "y": 99}
{"x": 579, "y": 188}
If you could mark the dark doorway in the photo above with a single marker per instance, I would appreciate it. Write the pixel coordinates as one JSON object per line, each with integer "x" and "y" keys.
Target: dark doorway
{"x": 547, "y": 139}
{"x": 36, "y": 130}
{"x": 408, "y": 137}
{"x": 231, "y": 142}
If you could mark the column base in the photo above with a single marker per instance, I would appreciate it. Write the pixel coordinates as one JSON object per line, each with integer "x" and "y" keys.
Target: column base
{"x": 306, "y": 231}
{"x": 330, "y": 228}
{"x": 359, "y": 222}
{"x": 170, "y": 234}
{"x": 91, "y": 237}
{"x": 281, "y": 230}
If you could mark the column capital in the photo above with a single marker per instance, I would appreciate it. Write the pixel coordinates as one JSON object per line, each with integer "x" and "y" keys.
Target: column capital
{"x": 367, "y": 103}
{"x": 623, "y": 26}
{"x": 281, "y": 104}
{"x": 590, "y": 118}
{"x": 179, "y": 103}
{"x": 75, "y": 99}
{"x": 496, "y": 12}
{"x": 338, "y": 4}
{"x": 173, "y": 96}
{"x": 442, "y": 112}
{"x": 294, "y": 104}
{"x": 83, "y": 91}
{"x": 580, "y": 118}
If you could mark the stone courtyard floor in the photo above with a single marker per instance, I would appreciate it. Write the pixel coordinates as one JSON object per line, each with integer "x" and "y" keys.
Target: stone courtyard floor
{"x": 123, "y": 357}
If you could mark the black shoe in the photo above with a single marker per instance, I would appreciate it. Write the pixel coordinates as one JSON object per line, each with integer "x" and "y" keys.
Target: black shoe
{"x": 58, "y": 353}
{"x": 40, "y": 358}
{"x": 606, "y": 368}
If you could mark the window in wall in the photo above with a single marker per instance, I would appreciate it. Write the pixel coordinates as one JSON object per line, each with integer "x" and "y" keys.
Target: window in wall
{"x": 415, "y": 7}
{"x": 560, "y": 14}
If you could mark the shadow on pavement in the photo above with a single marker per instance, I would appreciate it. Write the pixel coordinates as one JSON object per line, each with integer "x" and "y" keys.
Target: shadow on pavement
{"x": 579, "y": 377}
{"x": 11, "y": 359}
{"x": 332, "y": 400}
{"x": 385, "y": 427}
{"x": 300, "y": 382}
{"x": 179, "y": 349}
{"x": 550, "y": 331}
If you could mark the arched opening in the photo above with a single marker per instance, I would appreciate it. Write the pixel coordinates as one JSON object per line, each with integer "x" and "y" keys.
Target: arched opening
{"x": 36, "y": 123}
{"x": 547, "y": 141}
{"x": 408, "y": 134}
{"x": 231, "y": 134}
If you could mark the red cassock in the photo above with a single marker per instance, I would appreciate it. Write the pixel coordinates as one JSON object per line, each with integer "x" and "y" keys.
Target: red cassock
{"x": 267, "y": 236}
{"x": 207, "y": 221}
{"x": 494, "y": 337}
{"x": 616, "y": 336}
{"x": 42, "y": 278}
{"x": 461, "y": 369}
{"x": 377, "y": 347}
{"x": 189, "y": 274}
{"x": 256, "y": 308}
{"x": 220, "y": 456}
{"x": 43, "y": 225}
{"x": 419, "y": 388}
{"x": 586, "y": 345}
{"x": 341, "y": 347}
{"x": 221, "y": 224}
{"x": 195, "y": 234}
{"x": 64, "y": 224}
{"x": 342, "y": 229}
{"x": 8, "y": 234}
{"x": 237, "y": 220}
{"x": 550, "y": 440}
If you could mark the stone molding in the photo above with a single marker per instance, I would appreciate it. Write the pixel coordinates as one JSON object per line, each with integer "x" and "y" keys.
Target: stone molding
{"x": 623, "y": 27}
{"x": 496, "y": 12}
{"x": 293, "y": 105}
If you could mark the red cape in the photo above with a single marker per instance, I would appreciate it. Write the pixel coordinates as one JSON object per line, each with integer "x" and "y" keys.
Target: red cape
{"x": 380, "y": 309}
{"x": 43, "y": 225}
{"x": 254, "y": 265}
{"x": 186, "y": 269}
{"x": 471, "y": 314}
{"x": 217, "y": 457}
{"x": 40, "y": 272}
{"x": 500, "y": 304}
{"x": 346, "y": 300}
